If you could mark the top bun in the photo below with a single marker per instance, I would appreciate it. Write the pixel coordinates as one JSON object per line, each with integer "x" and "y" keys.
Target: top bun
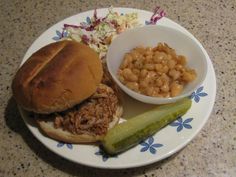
{"x": 57, "y": 77}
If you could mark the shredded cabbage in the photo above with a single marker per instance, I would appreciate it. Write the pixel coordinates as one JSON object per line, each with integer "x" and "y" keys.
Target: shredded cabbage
{"x": 99, "y": 32}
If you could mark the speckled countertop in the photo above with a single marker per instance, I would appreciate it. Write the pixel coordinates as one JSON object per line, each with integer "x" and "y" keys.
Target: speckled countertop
{"x": 212, "y": 152}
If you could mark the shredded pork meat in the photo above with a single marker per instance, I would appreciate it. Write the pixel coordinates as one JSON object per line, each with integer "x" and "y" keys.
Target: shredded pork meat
{"x": 91, "y": 116}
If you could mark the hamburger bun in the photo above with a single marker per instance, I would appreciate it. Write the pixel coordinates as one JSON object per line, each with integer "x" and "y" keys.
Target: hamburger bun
{"x": 57, "y": 77}
{"x": 62, "y": 86}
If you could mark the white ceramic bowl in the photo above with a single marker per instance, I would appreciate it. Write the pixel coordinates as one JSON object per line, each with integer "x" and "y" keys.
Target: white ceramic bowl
{"x": 149, "y": 36}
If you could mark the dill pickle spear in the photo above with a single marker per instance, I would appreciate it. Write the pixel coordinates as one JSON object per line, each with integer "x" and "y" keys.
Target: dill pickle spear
{"x": 128, "y": 134}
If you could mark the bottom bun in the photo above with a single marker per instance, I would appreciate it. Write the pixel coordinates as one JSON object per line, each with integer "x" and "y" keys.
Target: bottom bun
{"x": 62, "y": 135}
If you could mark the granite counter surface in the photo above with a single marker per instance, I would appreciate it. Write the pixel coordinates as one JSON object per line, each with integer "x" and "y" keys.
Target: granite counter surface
{"x": 212, "y": 153}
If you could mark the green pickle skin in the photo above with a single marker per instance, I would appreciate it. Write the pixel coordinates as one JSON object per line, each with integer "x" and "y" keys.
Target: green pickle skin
{"x": 129, "y": 133}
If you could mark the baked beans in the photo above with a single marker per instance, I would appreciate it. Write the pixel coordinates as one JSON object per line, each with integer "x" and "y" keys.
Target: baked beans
{"x": 157, "y": 72}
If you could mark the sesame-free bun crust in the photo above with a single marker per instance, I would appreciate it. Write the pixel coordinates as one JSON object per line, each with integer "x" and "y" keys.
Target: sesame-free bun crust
{"x": 57, "y": 77}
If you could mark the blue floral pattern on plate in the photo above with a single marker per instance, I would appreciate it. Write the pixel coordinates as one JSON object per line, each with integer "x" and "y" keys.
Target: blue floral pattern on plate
{"x": 180, "y": 124}
{"x": 149, "y": 145}
{"x": 104, "y": 155}
{"x": 198, "y": 94}
{"x": 68, "y": 145}
{"x": 88, "y": 20}
{"x": 59, "y": 35}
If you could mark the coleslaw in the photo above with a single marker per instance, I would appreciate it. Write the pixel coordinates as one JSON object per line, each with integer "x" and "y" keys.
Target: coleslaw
{"x": 98, "y": 32}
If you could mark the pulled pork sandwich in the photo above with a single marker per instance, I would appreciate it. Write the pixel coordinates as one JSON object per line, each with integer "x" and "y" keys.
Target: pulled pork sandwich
{"x": 61, "y": 85}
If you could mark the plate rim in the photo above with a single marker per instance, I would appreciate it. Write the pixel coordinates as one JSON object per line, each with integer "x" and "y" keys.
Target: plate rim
{"x": 176, "y": 149}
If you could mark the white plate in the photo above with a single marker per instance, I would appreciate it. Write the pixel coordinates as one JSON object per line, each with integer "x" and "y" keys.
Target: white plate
{"x": 164, "y": 143}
